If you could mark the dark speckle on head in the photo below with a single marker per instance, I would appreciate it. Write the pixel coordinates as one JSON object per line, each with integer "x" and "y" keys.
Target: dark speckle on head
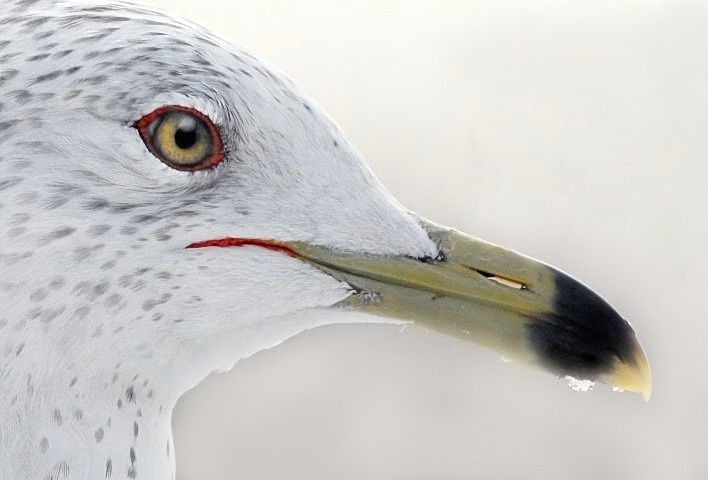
{"x": 59, "y": 234}
{"x": 7, "y": 183}
{"x": 56, "y": 417}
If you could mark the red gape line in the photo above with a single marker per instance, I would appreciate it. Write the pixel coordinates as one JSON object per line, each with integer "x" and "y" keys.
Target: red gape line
{"x": 242, "y": 242}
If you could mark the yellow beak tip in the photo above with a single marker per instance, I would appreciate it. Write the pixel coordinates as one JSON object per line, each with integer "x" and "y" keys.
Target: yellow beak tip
{"x": 632, "y": 376}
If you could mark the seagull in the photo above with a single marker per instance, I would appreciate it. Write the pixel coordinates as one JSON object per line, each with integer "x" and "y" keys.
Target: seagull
{"x": 170, "y": 204}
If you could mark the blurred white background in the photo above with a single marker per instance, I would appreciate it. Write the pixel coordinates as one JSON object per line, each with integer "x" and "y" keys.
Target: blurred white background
{"x": 575, "y": 132}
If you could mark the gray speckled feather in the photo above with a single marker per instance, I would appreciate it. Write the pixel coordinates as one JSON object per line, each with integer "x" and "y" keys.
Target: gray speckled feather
{"x": 106, "y": 319}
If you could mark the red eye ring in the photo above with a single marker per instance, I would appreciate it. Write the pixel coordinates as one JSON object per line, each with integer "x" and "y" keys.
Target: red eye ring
{"x": 212, "y": 152}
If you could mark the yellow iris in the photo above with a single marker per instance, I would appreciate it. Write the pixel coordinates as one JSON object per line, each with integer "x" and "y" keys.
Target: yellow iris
{"x": 182, "y": 139}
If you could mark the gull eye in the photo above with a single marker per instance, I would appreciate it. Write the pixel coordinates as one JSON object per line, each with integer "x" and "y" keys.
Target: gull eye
{"x": 181, "y": 137}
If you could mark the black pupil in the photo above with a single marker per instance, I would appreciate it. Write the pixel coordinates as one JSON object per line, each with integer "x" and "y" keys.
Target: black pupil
{"x": 185, "y": 139}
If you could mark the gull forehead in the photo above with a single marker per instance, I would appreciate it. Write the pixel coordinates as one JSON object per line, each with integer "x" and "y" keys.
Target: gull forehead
{"x": 170, "y": 205}
{"x": 73, "y": 65}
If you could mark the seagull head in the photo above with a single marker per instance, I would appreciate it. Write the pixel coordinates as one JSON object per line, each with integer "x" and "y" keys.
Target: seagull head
{"x": 172, "y": 204}
{"x": 137, "y": 143}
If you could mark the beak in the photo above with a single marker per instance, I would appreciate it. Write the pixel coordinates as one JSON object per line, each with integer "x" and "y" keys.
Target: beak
{"x": 482, "y": 293}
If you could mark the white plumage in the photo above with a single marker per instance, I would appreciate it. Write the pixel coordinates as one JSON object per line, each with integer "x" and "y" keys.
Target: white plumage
{"x": 106, "y": 318}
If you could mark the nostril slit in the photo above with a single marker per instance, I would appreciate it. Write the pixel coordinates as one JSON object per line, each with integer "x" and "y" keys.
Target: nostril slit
{"x": 503, "y": 280}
